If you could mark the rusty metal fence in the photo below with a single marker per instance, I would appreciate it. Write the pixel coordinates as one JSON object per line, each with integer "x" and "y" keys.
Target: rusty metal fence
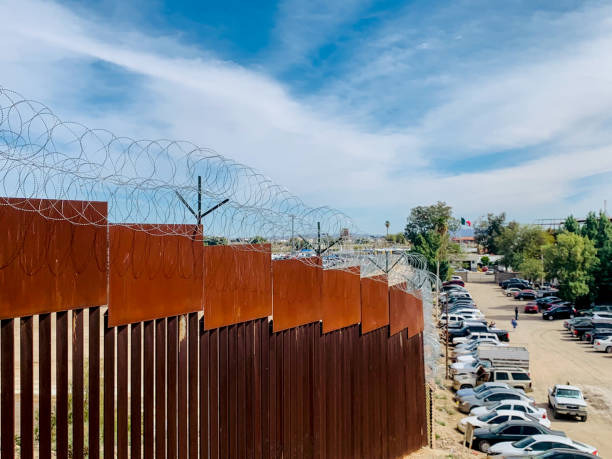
{"x": 187, "y": 360}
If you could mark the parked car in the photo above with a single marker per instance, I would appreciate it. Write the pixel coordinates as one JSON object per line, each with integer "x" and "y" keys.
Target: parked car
{"x": 517, "y": 378}
{"x": 559, "y": 312}
{"x": 512, "y": 405}
{"x": 604, "y": 345}
{"x": 512, "y": 290}
{"x": 531, "y": 309}
{"x": 479, "y": 390}
{"x": 564, "y": 453}
{"x": 567, "y": 400}
{"x": 490, "y": 397}
{"x": 525, "y": 295}
{"x": 509, "y": 431}
{"x": 455, "y": 282}
{"x": 475, "y": 336}
{"x": 531, "y": 446}
{"x": 599, "y": 334}
{"x": 498, "y": 417}
{"x": 549, "y": 302}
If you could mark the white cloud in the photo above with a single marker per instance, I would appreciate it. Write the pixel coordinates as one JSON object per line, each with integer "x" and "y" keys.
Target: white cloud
{"x": 186, "y": 93}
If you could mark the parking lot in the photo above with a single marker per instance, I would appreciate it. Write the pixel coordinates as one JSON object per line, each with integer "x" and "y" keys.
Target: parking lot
{"x": 556, "y": 358}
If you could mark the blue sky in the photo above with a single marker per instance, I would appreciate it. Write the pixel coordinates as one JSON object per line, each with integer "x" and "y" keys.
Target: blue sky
{"x": 372, "y": 107}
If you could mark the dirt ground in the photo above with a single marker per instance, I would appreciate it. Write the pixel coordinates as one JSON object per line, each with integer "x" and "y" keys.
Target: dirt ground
{"x": 556, "y": 358}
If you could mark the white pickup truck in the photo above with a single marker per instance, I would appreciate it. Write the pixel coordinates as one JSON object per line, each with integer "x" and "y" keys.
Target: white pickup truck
{"x": 568, "y": 400}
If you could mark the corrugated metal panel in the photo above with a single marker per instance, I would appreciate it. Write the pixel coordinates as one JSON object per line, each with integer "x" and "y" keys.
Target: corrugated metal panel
{"x": 399, "y": 309}
{"x": 153, "y": 274}
{"x": 296, "y": 293}
{"x": 341, "y": 298}
{"x": 374, "y": 303}
{"x": 47, "y": 263}
{"x": 237, "y": 284}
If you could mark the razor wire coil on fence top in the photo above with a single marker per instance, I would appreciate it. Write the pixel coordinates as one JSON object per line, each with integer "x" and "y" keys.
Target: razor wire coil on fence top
{"x": 45, "y": 161}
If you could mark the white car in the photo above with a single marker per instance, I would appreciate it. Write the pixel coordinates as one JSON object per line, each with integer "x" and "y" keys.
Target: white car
{"x": 603, "y": 345}
{"x": 511, "y": 291}
{"x": 513, "y": 405}
{"x": 497, "y": 417}
{"x": 468, "y": 348}
{"x": 536, "y": 444}
{"x": 473, "y": 336}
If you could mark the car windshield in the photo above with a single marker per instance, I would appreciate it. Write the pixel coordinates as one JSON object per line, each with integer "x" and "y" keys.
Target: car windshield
{"x": 480, "y": 389}
{"x": 524, "y": 443}
{"x": 568, "y": 393}
{"x": 487, "y": 417}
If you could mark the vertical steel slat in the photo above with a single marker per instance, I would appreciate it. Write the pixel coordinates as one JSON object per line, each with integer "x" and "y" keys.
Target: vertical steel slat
{"x": 297, "y": 363}
{"x": 136, "y": 390}
{"x": 286, "y": 432}
{"x": 78, "y": 439}
{"x": 265, "y": 408}
{"x": 109, "y": 390}
{"x": 223, "y": 388}
{"x": 61, "y": 381}
{"x": 26, "y": 376}
{"x": 183, "y": 415}
{"x": 193, "y": 345}
{"x": 148, "y": 412}
{"x": 122, "y": 391}
{"x": 93, "y": 384}
{"x": 160, "y": 388}
{"x": 7, "y": 388}
{"x": 172, "y": 362}
{"x": 233, "y": 392}
{"x": 255, "y": 437}
{"x": 214, "y": 394}
{"x": 204, "y": 389}
{"x": 270, "y": 452}
{"x": 241, "y": 362}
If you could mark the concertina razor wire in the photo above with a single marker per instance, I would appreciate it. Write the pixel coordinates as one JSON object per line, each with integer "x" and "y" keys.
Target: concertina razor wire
{"x": 155, "y": 182}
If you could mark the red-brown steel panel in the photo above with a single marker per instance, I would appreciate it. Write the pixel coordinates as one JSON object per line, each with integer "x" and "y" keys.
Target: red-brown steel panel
{"x": 237, "y": 284}
{"x": 374, "y": 303}
{"x": 399, "y": 308}
{"x": 52, "y": 258}
{"x": 156, "y": 271}
{"x": 297, "y": 292}
{"x": 340, "y": 298}
{"x": 419, "y": 313}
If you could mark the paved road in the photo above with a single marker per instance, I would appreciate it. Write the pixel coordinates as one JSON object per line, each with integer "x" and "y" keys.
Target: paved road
{"x": 557, "y": 358}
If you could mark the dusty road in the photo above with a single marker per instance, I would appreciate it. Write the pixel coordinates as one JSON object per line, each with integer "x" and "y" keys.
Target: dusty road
{"x": 557, "y": 358}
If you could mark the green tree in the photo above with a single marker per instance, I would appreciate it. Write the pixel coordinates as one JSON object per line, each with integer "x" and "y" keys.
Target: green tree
{"x": 258, "y": 240}
{"x": 520, "y": 242}
{"x": 589, "y": 228}
{"x": 571, "y": 225}
{"x": 486, "y": 231}
{"x": 532, "y": 269}
{"x": 387, "y": 224}
{"x": 427, "y": 229}
{"x": 602, "y": 282}
{"x": 485, "y": 260}
{"x": 571, "y": 260}
{"x": 215, "y": 240}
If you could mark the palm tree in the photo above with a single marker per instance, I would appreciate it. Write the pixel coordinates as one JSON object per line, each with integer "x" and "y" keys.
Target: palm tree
{"x": 387, "y": 224}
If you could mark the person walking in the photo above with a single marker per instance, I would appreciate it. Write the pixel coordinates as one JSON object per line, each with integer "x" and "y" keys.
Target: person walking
{"x": 515, "y": 313}
{"x": 514, "y": 323}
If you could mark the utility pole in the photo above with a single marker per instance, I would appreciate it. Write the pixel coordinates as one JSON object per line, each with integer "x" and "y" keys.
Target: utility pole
{"x": 318, "y": 238}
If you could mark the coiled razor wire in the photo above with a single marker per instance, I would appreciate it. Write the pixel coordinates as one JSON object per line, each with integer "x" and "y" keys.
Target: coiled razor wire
{"x": 158, "y": 182}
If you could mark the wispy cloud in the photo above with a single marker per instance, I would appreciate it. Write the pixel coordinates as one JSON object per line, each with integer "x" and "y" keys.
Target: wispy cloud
{"x": 372, "y": 139}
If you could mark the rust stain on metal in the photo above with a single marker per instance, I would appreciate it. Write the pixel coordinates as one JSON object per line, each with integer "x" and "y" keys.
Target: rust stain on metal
{"x": 296, "y": 292}
{"x": 237, "y": 284}
{"x": 400, "y": 303}
{"x": 341, "y": 298}
{"x": 156, "y": 271}
{"x": 374, "y": 303}
{"x": 51, "y": 257}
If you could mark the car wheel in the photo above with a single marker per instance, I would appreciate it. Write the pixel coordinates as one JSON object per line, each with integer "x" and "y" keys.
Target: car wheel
{"x": 484, "y": 446}
{"x": 584, "y": 418}
{"x": 550, "y": 317}
{"x": 609, "y": 350}
{"x": 555, "y": 414}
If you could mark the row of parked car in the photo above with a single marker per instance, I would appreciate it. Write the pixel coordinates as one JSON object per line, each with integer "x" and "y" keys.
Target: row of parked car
{"x": 522, "y": 289}
{"x": 492, "y": 380}
{"x": 593, "y": 326}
